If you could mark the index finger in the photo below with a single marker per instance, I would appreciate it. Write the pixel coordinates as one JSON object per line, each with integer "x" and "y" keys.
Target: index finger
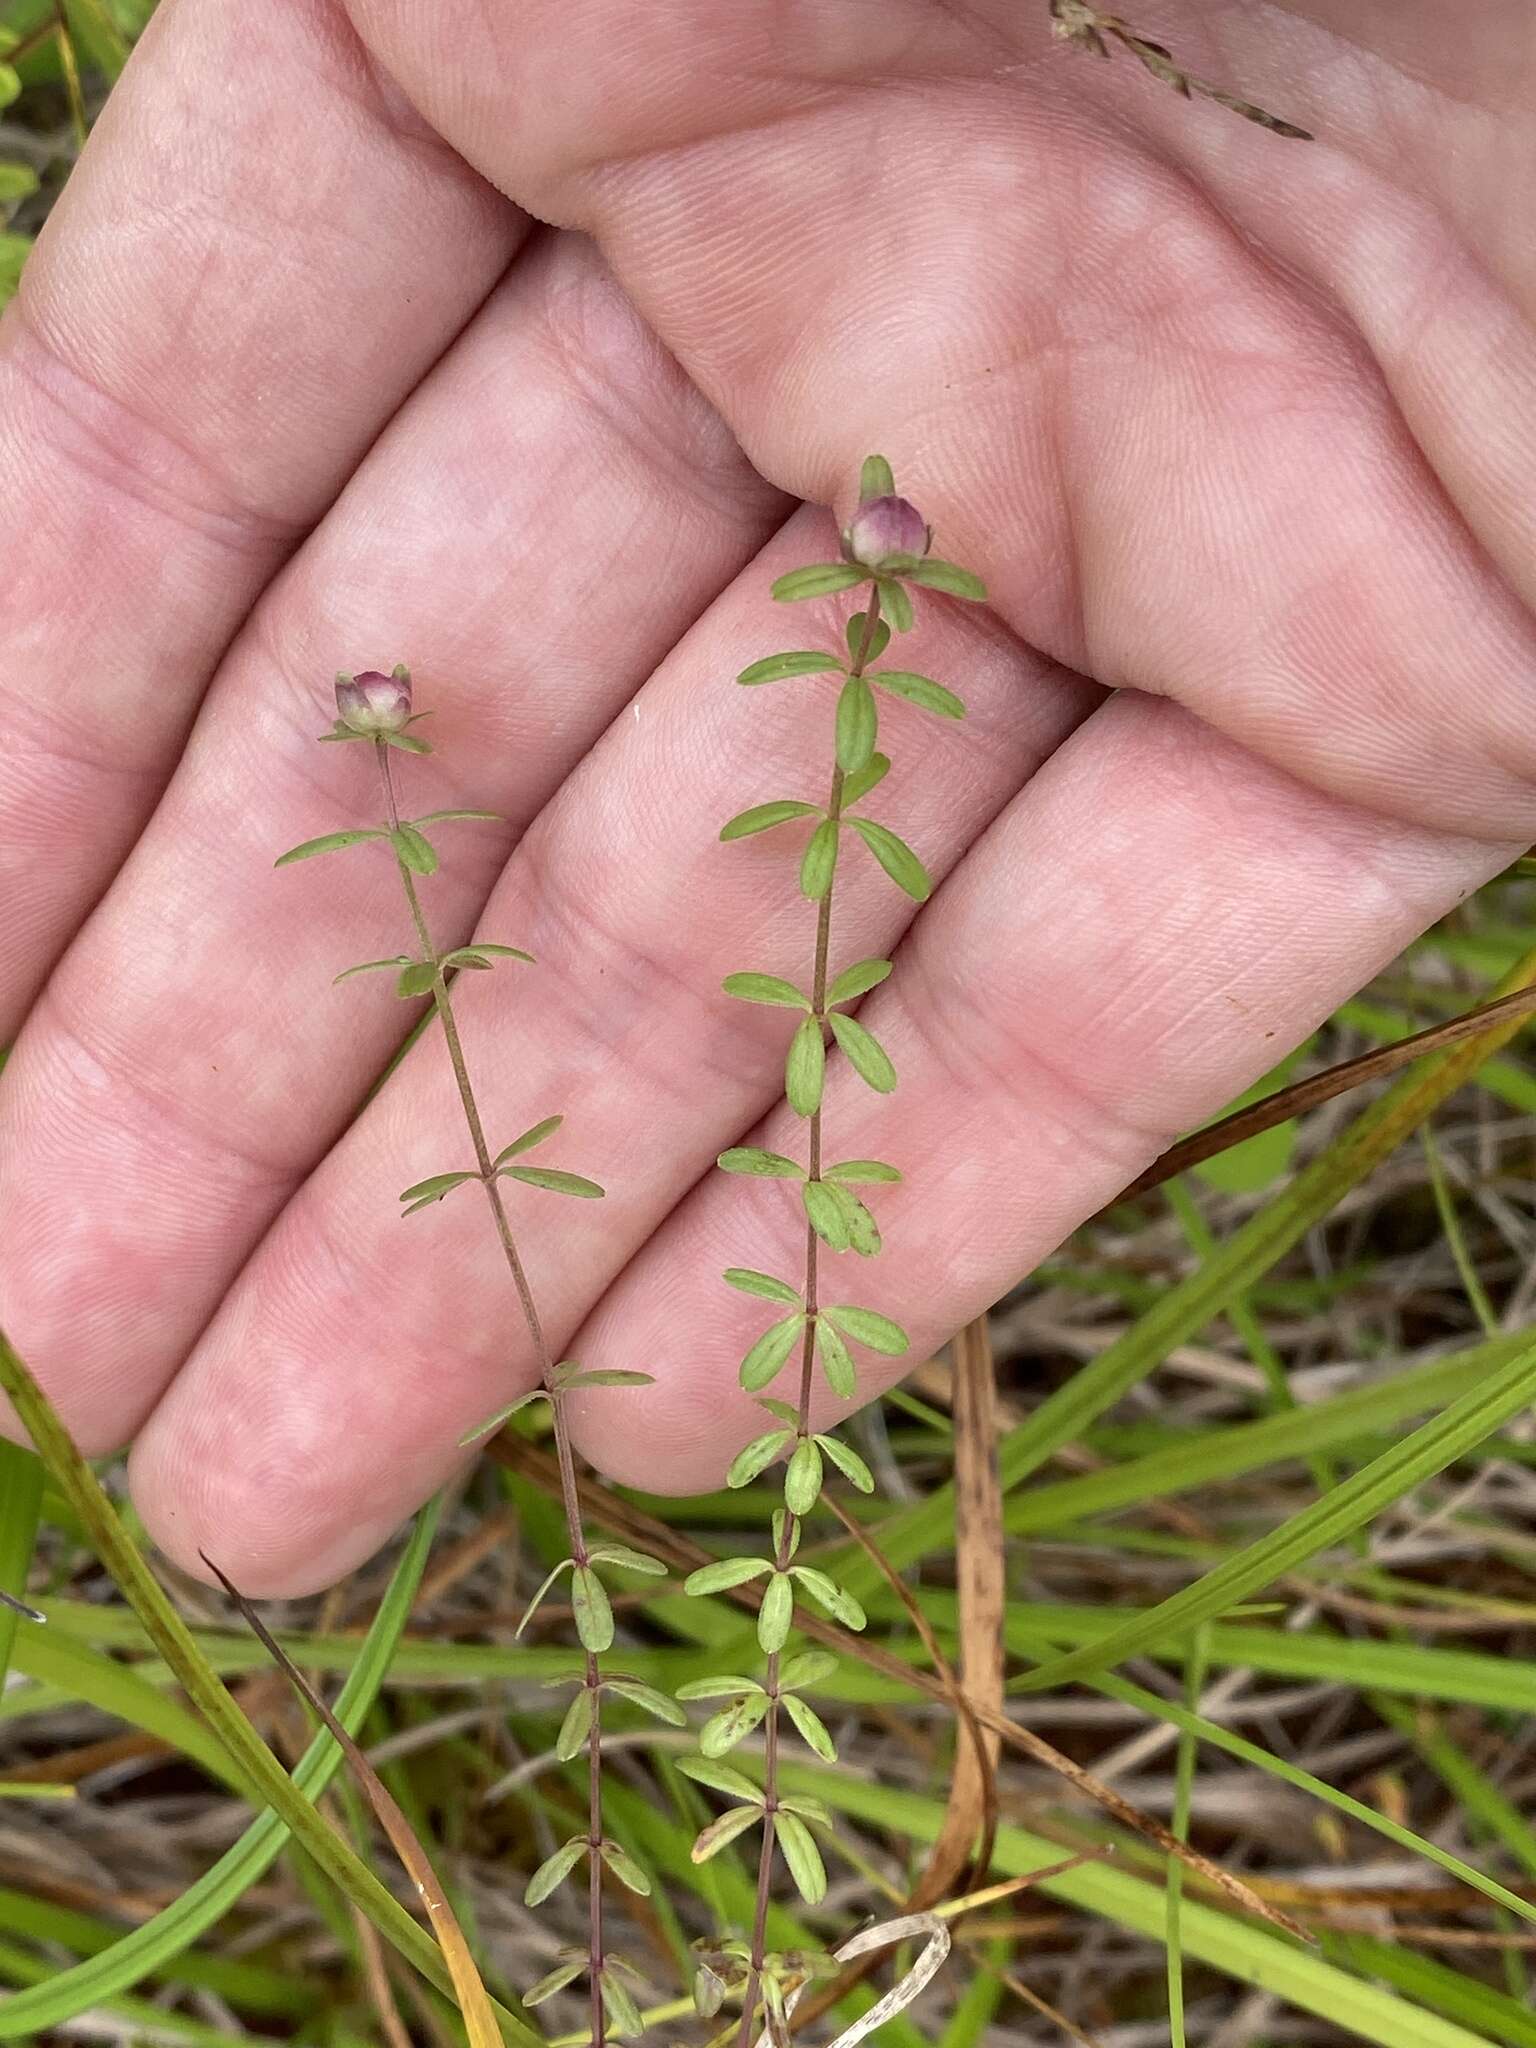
{"x": 261, "y": 252}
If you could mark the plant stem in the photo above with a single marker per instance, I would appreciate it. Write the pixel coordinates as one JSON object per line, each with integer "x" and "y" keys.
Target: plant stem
{"x": 786, "y": 1543}
{"x": 569, "y": 1497}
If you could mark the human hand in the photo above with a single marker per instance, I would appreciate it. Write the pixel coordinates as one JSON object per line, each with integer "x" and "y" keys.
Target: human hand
{"x": 1239, "y": 427}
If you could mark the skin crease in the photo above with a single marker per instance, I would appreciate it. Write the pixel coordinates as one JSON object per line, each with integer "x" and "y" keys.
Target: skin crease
{"x": 1238, "y": 428}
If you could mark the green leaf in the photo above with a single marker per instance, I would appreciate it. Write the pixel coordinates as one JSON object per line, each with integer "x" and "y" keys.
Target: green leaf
{"x": 745, "y": 1281}
{"x": 765, "y": 988}
{"x": 879, "y": 640}
{"x": 506, "y": 952}
{"x": 435, "y": 1186}
{"x": 763, "y": 818}
{"x": 720, "y": 1833}
{"x": 593, "y": 1614}
{"x": 826, "y": 1214}
{"x": 766, "y": 1358}
{"x": 649, "y": 1700}
{"x": 920, "y": 690}
{"x": 416, "y": 851}
{"x": 417, "y": 979}
{"x": 502, "y": 1415}
{"x": 805, "y": 1068}
{"x": 566, "y": 1564}
{"x": 756, "y": 1456}
{"x": 951, "y": 579}
{"x": 752, "y": 1159}
{"x": 554, "y": 1870}
{"x": 534, "y": 1135}
{"x": 897, "y": 604}
{"x": 802, "y": 1479}
{"x": 406, "y": 742}
{"x": 849, "y": 1463}
{"x": 802, "y": 1856}
{"x": 476, "y": 956}
{"x": 558, "y": 1978}
{"x": 813, "y": 1729}
{"x": 725, "y": 1573}
{"x": 866, "y": 1054}
{"x": 608, "y": 1376}
{"x": 720, "y": 1778}
{"x": 820, "y": 580}
{"x": 626, "y": 1560}
{"x": 840, "y": 1605}
{"x": 863, "y": 1231}
{"x": 852, "y": 1172}
{"x": 857, "y": 725}
{"x": 875, "y": 479}
{"x": 777, "y": 1613}
{"x": 372, "y": 967}
{"x": 818, "y": 864}
{"x": 776, "y": 667}
{"x": 721, "y": 1733}
{"x": 328, "y": 842}
{"x": 441, "y": 817}
{"x": 857, "y": 787}
{"x": 557, "y": 1183}
{"x": 858, "y": 980}
{"x": 620, "y": 2013}
{"x": 626, "y": 1870}
{"x": 865, "y": 1326}
{"x": 575, "y": 1728}
{"x": 896, "y": 857}
{"x": 724, "y": 1686}
{"x": 782, "y": 1411}
{"x": 836, "y": 1360}
{"x": 808, "y": 1667}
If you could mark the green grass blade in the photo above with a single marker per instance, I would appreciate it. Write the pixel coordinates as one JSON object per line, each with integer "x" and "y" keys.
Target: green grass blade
{"x": 21, "y": 1500}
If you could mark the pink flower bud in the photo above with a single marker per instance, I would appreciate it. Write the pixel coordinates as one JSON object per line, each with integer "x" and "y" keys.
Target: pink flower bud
{"x": 373, "y": 703}
{"x": 887, "y": 536}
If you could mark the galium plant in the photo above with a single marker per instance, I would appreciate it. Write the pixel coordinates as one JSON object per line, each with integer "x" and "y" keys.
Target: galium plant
{"x": 886, "y": 552}
{"x": 376, "y": 709}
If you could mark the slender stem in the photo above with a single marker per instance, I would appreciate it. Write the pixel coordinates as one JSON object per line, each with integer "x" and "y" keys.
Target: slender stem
{"x": 786, "y": 1543}
{"x": 569, "y": 1496}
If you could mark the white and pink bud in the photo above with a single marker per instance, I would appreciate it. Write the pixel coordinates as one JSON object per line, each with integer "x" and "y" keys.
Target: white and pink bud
{"x": 373, "y": 704}
{"x": 888, "y": 536}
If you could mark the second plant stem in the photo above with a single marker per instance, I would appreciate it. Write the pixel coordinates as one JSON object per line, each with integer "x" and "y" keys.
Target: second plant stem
{"x": 785, "y": 1548}
{"x": 569, "y": 1496}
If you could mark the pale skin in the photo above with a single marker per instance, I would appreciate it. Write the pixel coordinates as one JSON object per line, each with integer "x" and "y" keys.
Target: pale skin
{"x": 1241, "y": 427}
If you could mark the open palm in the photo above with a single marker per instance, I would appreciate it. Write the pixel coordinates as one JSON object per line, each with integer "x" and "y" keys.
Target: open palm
{"x": 1238, "y": 428}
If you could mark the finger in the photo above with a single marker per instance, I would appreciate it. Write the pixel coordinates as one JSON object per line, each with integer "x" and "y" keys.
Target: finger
{"x": 189, "y": 1060}
{"x": 1151, "y": 924}
{"x": 357, "y": 1349}
{"x": 260, "y": 253}
{"x": 1175, "y": 462}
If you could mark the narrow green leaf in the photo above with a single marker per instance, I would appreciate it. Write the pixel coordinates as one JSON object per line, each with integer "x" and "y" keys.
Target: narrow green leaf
{"x": 836, "y": 1360}
{"x": 328, "y": 842}
{"x": 809, "y": 1667}
{"x": 721, "y": 1733}
{"x": 407, "y": 743}
{"x": 502, "y": 1415}
{"x": 857, "y": 725}
{"x": 534, "y": 1135}
{"x": 896, "y": 857}
{"x": 441, "y": 817}
{"x": 720, "y": 1833}
{"x": 765, "y": 988}
{"x": 554, "y": 1870}
{"x": 802, "y": 1479}
{"x": 896, "y": 603}
{"x": 720, "y": 1778}
{"x": 920, "y": 690}
{"x": 558, "y": 1978}
{"x": 627, "y": 1560}
{"x": 875, "y": 479}
{"x": 805, "y": 1068}
{"x": 416, "y": 851}
{"x": 951, "y": 579}
{"x": 866, "y": 1054}
{"x": 575, "y": 1728}
{"x": 620, "y": 2013}
{"x": 372, "y": 967}
{"x": 781, "y": 1411}
{"x": 840, "y": 1605}
{"x": 745, "y": 1281}
{"x": 592, "y": 1612}
{"x": 756, "y": 1457}
{"x": 566, "y": 1564}
{"x": 767, "y": 1356}
{"x": 879, "y": 640}
{"x": 802, "y": 1856}
{"x": 865, "y": 1326}
{"x": 626, "y": 1869}
{"x": 819, "y": 580}
{"x": 818, "y": 864}
{"x": 858, "y": 980}
{"x": 813, "y": 1730}
{"x": 825, "y": 1214}
{"x": 763, "y": 818}
{"x": 857, "y": 787}
{"x": 860, "y": 1172}
{"x": 477, "y": 955}
{"x": 776, "y": 1614}
{"x": 725, "y": 1686}
{"x": 435, "y": 1186}
{"x": 727, "y": 1572}
{"x": 608, "y": 1376}
{"x": 848, "y": 1462}
{"x": 416, "y": 979}
{"x": 776, "y": 667}
{"x": 649, "y": 1700}
{"x": 752, "y": 1159}
{"x": 505, "y": 952}
{"x": 556, "y": 1183}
